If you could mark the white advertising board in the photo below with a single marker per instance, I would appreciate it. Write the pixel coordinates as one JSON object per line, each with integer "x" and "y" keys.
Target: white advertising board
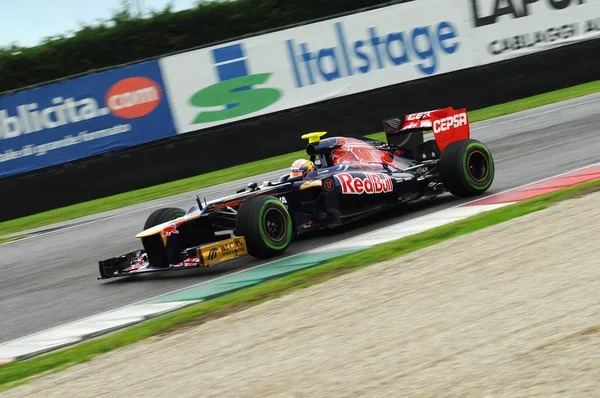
{"x": 504, "y": 29}
{"x": 317, "y": 62}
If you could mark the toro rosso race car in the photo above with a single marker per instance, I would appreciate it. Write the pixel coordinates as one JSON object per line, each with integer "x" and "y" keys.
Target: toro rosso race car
{"x": 343, "y": 180}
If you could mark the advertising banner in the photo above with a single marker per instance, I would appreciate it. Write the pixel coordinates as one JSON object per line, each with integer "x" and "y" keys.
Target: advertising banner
{"x": 504, "y": 29}
{"x": 290, "y": 68}
{"x": 317, "y": 62}
{"x": 83, "y": 117}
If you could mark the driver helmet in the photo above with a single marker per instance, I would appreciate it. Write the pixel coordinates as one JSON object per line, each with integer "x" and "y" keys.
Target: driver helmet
{"x": 301, "y": 167}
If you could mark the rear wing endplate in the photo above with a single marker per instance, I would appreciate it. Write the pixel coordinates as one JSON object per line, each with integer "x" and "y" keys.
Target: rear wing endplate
{"x": 448, "y": 125}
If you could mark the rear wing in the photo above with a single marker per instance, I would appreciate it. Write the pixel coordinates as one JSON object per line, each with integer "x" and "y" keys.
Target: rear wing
{"x": 407, "y": 132}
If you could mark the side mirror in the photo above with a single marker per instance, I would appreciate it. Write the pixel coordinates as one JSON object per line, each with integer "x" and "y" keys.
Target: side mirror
{"x": 251, "y": 187}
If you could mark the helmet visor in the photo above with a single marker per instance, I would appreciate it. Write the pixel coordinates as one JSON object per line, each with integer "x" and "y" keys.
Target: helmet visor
{"x": 296, "y": 173}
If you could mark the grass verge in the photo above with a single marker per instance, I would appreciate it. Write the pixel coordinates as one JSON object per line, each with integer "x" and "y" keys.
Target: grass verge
{"x": 254, "y": 168}
{"x": 15, "y": 373}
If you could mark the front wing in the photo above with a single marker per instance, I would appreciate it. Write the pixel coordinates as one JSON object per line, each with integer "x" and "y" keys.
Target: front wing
{"x": 137, "y": 262}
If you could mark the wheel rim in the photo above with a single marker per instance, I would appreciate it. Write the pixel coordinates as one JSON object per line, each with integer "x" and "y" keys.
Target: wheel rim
{"x": 477, "y": 165}
{"x": 274, "y": 225}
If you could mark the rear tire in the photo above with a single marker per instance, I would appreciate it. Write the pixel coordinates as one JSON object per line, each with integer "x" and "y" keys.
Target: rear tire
{"x": 466, "y": 168}
{"x": 266, "y": 225}
{"x": 163, "y": 215}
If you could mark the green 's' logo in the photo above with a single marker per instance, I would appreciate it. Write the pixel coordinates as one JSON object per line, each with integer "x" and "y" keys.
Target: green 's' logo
{"x": 235, "y": 91}
{"x": 240, "y": 102}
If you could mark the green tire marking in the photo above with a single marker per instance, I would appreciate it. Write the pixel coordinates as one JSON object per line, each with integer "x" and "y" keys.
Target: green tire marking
{"x": 175, "y": 217}
{"x": 262, "y": 232}
{"x": 490, "y": 164}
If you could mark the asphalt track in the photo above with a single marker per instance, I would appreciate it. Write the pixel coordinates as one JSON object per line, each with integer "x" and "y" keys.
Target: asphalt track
{"x": 50, "y": 278}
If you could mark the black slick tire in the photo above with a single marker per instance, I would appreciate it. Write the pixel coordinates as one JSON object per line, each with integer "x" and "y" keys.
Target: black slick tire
{"x": 266, "y": 225}
{"x": 163, "y": 215}
{"x": 155, "y": 249}
{"x": 466, "y": 168}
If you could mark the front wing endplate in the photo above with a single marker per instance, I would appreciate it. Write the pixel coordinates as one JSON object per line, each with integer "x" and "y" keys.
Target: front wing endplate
{"x": 207, "y": 255}
{"x": 222, "y": 251}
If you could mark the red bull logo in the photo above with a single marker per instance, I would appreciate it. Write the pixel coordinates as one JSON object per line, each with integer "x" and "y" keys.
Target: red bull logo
{"x": 170, "y": 230}
{"x": 371, "y": 184}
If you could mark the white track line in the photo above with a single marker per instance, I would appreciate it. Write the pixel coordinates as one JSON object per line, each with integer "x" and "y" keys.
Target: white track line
{"x": 533, "y": 114}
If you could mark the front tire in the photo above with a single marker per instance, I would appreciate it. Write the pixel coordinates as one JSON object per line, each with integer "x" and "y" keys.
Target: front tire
{"x": 163, "y": 215}
{"x": 158, "y": 255}
{"x": 266, "y": 225}
{"x": 466, "y": 168}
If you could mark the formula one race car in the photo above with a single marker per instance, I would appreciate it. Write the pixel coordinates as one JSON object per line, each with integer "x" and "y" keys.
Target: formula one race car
{"x": 344, "y": 180}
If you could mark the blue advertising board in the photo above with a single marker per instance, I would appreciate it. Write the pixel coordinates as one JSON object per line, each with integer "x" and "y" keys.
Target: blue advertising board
{"x": 83, "y": 117}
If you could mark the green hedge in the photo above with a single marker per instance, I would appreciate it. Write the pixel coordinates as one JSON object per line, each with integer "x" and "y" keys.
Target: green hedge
{"x": 127, "y": 38}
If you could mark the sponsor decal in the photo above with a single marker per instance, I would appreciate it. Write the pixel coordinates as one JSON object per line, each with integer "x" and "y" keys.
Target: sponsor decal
{"x": 373, "y": 183}
{"x": 551, "y": 22}
{"x": 30, "y": 119}
{"x": 188, "y": 262}
{"x": 191, "y": 262}
{"x": 232, "y": 248}
{"x": 419, "y": 116}
{"x": 221, "y": 251}
{"x": 421, "y": 46}
{"x": 540, "y": 37}
{"x": 236, "y": 92}
{"x": 309, "y": 225}
{"x": 488, "y": 12}
{"x": 419, "y": 120}
{"x": 213, "y": 253}
{"x": 419, "y": 124}
{"x": 133, "y": 97}
{"x": 170, "y": 230}
{"x": 450, "y": 122}
{"x": 127, "y": 99}
{"x": 82, "y": 117}
{"x": 329, "y": 185}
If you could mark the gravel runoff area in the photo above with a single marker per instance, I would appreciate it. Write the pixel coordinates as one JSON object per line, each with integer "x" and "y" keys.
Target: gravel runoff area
{"x": 511, "y": 311}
